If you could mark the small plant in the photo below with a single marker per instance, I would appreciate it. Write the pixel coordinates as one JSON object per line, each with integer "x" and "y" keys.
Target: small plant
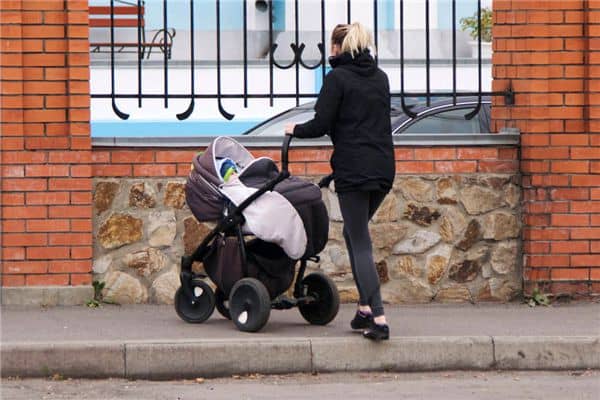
{"x": 538, "y": 298}
{"x": 58, "y": 377}
{"x": 98, "y": 286}
{"x": 470, "y": 25}
{"x": 91, "y": 303}
{"x": 45, "y": 370}
{"x": 95, "y": 302}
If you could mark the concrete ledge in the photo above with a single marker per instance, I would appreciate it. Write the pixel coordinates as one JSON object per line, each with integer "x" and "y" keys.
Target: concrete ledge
{"x": 46, "y": 295}
{"x": 550, "y": 353}
{"x": 217, "y": 358}
{"x": 504, "y": 138}
{"x": 403, "y": 354}
{"x": 74, "y": 360}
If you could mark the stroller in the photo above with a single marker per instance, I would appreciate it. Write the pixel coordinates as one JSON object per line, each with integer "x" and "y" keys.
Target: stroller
{"x": 288, "y": 222}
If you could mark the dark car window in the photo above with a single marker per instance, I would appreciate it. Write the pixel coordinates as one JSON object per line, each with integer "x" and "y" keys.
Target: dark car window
{"x": 452, "y": 121}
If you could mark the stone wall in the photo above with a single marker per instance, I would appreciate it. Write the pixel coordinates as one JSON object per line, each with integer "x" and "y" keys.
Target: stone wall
{"x": 436, "y": 238}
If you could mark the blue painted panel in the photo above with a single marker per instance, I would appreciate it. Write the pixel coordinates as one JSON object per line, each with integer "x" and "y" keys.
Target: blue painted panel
{"x": 231, "y": 13}
{"x": 178, "y": 13}
{"x": 279, "y": 15}
{"x": 319, "y": 78}
{"x": 205, "y": 18}
{"x": 464, "y": 8}
{"x": 169, "y": 129}
{"x": 385, "y": 14}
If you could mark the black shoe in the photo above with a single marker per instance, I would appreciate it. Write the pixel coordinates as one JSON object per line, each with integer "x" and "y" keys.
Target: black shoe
{"x": 361, "y": 321}
{"x": 377, "y": 332}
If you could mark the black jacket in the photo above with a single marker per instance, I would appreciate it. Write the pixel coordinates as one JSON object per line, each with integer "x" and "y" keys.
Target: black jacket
{"x": 353, "y": 108}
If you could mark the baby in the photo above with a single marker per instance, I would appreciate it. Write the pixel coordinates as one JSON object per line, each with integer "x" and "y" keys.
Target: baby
{"x": 227, "y": 168}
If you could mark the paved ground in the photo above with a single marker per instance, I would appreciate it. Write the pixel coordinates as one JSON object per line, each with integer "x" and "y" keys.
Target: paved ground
{"x": 151, "y": 342}
{"x": 152, "y": 322}
{"x": 572, "y": 385}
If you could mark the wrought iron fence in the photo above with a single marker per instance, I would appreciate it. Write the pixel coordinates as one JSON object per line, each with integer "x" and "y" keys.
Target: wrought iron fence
{"x": 163, "y": 41}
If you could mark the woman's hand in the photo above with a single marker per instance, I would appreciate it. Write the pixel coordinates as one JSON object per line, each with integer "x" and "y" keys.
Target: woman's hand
{"x": 289, "y": 129}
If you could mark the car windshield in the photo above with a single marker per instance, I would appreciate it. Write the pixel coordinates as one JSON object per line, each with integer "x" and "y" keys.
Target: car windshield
{"x": 276, "y": 126}
{"x": 443, "y": 122}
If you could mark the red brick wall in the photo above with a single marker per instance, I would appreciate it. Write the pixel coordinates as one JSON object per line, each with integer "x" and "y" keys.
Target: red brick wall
{"x": 548, "y": 51}
{"x": 46, "y": 148}
{"x": 118, "y": 162}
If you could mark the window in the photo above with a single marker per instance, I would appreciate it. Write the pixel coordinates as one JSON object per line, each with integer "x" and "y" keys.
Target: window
{"x": 276, "y": 126}
{"x": 450, "y": 121}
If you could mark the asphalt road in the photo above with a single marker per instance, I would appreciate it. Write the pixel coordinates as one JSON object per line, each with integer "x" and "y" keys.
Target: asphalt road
{"x": 462, "y": 385}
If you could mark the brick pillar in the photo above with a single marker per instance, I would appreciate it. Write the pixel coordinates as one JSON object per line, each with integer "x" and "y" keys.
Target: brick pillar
{"x": 542, "y": 50}
{"x": 46, "y": 144}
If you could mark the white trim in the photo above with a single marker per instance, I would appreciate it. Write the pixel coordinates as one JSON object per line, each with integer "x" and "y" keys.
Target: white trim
{"x": 509, "y": 136}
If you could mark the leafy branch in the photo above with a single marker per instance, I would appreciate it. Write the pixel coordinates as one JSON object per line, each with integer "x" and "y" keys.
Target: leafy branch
{"x": 471, "y": 25}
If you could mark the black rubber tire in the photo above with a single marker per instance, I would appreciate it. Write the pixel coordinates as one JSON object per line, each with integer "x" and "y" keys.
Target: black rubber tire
{"x": 325, "y": 309}
{"x": 201, "y": 309}
{"x": 222, "y": 303}
{"x": 249, "y": 305}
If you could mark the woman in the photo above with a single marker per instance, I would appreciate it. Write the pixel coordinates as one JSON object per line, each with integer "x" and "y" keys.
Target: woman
{"x": 353, "y": 108}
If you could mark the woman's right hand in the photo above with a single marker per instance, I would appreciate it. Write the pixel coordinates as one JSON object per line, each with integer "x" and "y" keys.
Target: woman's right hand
{"x": 289, "y": 129}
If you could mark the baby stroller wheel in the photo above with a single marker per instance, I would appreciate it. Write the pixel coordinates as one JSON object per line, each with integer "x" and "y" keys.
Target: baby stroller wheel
{"x": 249, "y": 304}
{"x": 327, "y": 304}
{"x": 197, "y": 311}
{"x": 222, "y": 303}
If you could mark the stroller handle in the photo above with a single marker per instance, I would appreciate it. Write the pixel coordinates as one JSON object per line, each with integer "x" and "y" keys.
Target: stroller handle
{"x": 284, "y": 153}
{"x": 323, "y": 183}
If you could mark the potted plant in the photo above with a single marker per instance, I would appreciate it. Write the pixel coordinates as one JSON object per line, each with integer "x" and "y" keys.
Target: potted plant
{"x": 470, "y": 25}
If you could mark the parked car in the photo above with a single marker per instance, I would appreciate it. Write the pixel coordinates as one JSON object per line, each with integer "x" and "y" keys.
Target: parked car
{"x": 442, "y": 117}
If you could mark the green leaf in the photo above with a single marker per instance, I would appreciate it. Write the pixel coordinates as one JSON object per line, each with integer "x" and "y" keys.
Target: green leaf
{"x": 92, "y": 303}
{"x": 470, "y": 25}
{"x": 98, "y": 286}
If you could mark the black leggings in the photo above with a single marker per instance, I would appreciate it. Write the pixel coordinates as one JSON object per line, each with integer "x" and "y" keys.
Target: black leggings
{"x": 357, "y": 209}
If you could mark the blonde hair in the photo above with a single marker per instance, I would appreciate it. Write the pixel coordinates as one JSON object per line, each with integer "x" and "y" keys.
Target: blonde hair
{"x": 353, "y": 38}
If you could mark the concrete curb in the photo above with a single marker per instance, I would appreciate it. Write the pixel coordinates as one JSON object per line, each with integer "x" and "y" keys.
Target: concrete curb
{"x": 218, "y": 358}
{"x": 550, "y": 353}
{"x": 403, "y": 354}
{"x": 46, "y": 296}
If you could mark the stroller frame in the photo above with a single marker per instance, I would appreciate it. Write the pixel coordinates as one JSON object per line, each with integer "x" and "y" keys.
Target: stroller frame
{"x": 231, "y": 226}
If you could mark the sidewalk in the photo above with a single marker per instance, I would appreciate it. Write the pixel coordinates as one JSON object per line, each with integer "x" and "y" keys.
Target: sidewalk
{"x": 151, "y": 342}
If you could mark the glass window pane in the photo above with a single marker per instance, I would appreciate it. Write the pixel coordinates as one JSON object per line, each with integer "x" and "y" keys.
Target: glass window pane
{"x": 446, "y": 122}
{"x": 277, "y": 126}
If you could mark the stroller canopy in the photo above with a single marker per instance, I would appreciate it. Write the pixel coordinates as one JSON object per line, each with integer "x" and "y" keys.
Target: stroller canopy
{"x": 221, "y": 147}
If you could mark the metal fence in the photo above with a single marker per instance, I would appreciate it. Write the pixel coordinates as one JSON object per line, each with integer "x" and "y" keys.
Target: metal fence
{"x": 119, "y": 14}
